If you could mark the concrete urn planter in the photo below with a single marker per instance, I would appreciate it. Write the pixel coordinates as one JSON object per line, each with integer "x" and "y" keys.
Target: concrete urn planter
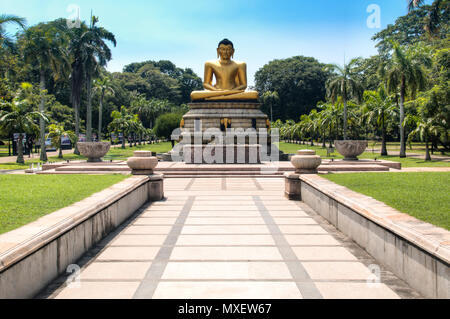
{"x": 306, "y": 162}
{"x": 94, "y": 151}
{"x": 142, "y": 163}
{"x": 350, "y": 149}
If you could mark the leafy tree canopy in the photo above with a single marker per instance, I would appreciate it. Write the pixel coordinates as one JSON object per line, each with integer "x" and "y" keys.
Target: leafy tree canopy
{"x": 299, "y": 82}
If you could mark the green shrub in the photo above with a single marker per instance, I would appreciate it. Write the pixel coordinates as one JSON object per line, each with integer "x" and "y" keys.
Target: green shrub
{"x": 166, "y": 123}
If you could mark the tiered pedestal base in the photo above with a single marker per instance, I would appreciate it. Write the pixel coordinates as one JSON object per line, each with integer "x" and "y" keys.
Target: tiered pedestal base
{"x": 222, "y": 116}
{"x": 222, "y": 154}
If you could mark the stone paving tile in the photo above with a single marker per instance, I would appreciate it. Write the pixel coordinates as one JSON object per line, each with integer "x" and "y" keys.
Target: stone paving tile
{"x": 160, "y": 214}
{"x": 155, "y": 221}
{"x": 153, "y": 230}
{"x": 302, "y": 229}
{"x": 225, "y": 240}
{"x": 226, "y": 229}
{"x": 337, "y": 270}
{"x": 100, "y": 290}
{"x": 225, "y": 253}
{"x": 139, "y": 240}
{"x": 216, "y": 213}
{"x": 288, "y": 213}
{"x": 323, "y": 253}
{"x": 350, "y": 290}
{"x": 224, "y": 221}
{"x": 115, "y": 271}
{"x": 294, "y": 221}
{"x": 227, "y": 290}
{"x": 308, "y": 240}
{"x": 230, "y": 270}
{"x": 204, "y": 207}
{"x": 228, "y": 238}
{"x": 128, "y": 253}
{"x": 166, "y": 208}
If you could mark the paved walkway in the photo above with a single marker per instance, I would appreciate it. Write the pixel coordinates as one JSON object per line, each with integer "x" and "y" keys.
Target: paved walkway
{"x": 228, "y": 238}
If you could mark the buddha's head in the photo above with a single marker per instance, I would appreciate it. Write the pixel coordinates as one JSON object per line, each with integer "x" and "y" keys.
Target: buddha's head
{"x": 225, "y": 50}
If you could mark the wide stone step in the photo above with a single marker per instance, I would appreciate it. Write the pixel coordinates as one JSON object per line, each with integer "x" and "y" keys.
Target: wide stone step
{"x": 98, "y": 168}
{"x": 228, "y": 173}
{"x": 220, "y": 176}
{"x": 395, "y": 165}
{"x": 353, "y": 168}
{"x": 54, "y": 172}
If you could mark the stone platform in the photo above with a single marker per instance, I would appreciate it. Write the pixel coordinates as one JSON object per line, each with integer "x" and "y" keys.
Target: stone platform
{"x": 228, "y": 238}
{"x": 241, "y": 115}
{"x": 180, "y": 169}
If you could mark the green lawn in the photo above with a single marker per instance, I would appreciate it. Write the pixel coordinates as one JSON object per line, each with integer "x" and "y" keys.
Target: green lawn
{"x": 422, "y": 195}
{"x": 115, "y": 153}
{"x": 3, "y": 150}
{"x": 24, "y": 199}
{"x": 290, "y": 148}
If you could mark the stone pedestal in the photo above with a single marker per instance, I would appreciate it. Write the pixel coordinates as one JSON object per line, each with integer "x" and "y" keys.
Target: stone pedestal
{"x": 229, "y": 132}
{"x": 156, "y": 188}
{"x": 292, "y": 183}
{"x": 142, "y": 163}
{"x": 223, "y": 115}
{"x": 306, "y": 162}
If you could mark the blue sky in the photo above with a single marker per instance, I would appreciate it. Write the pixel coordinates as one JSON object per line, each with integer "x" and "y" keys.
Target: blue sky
{"x": 187, "y": 32}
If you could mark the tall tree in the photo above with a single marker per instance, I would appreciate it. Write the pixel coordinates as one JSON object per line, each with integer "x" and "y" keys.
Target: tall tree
{"x": 404, "y": 73}
{"x": 379, "y": 108}
{"x": 299, "y": 81}
{"x": 103, "y": 86}
{"x": 270, "y": 98}
{"x": 78, "y": 56}
{"x": 44, "y": 45}
{"x": 98, "y": 54}
{"x": 345, "y": 84}
{"x": 123, "y": 122}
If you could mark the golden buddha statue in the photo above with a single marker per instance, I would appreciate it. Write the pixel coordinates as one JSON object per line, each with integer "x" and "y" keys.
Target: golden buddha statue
{"x": 231, "y": 78}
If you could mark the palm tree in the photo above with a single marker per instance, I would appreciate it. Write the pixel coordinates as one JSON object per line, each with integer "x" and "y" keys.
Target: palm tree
{"x": 97, "y": 55}
{"x": 5, "y": 19}
{"x": 271, "y": 98}
{"x": 19, "y": 117}
{"x": 77, "y": 50}
{"x": 346, "y": 84}
{"x": 425, "y": 129}
{"x": 404, "y": 72}
{"x": 44, "y": 45}
{"x": 103, "y": 86}
{"x": 56, "y": 133}
{"x": 379, "y": 108}
{"x": 145, "y": 108}
{"x": 88, "y": 51}
{"x": 123, "y": 122}
{"x": 330, "y": 119}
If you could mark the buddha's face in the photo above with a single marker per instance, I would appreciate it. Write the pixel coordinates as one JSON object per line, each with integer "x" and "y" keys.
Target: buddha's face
{"x": 225, "y": 51}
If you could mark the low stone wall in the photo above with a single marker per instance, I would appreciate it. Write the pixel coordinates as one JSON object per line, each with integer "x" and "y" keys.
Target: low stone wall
{"x": 415, "y": 251}
{"x": 35, "y": 254}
